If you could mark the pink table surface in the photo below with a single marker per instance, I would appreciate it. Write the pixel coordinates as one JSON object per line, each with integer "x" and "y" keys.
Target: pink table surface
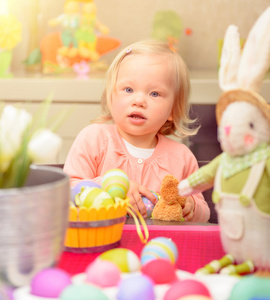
{"x": 197, "y": 246}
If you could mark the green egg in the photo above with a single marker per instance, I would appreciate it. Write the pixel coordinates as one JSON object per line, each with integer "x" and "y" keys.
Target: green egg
{"x": 251, "y": 287}
{"x": 126, "y": 260}
{"x": 82, "y": 292}
{"x": 95, "y": 197}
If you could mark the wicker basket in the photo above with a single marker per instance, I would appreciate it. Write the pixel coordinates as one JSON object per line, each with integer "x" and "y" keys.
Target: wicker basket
{"x": 92, "y": 230}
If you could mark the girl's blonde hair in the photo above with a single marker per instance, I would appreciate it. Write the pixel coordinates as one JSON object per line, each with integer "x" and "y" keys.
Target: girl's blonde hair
{"x": 180, "y": 111}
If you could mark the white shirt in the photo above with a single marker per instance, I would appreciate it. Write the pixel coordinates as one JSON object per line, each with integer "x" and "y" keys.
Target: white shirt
{"x": 139, "y": 152}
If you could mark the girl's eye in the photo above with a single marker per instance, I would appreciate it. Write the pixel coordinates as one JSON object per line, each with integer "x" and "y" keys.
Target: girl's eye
{"x": 251, "y": 125}
{"x": 128, "y": 90}
{"x": 155, "y": 94}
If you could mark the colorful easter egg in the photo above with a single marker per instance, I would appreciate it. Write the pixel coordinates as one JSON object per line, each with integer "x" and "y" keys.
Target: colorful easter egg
{"x": 149, "y": 205}
{"x": 103, "y": 273}
{"x": 187, "y": 287}
{"x": 80, "y": 186}
{"x": 159, "y": 247}
{"x": 160, "y": 271}
{"x": 136, "y": 287}
{"x": 82, "y": 292}
{"x": 49, "y": 283}
{"x": 94, "y": 197}
{"x": 125, "y": 259}
{"x": 116, "y": 183}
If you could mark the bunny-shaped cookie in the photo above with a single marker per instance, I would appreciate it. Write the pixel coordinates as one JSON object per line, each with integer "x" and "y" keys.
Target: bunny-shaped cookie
{"x": 241, "y": 174}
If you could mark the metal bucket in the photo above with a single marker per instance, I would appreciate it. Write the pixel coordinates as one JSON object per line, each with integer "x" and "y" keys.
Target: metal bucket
{"x": 33, "y": 222}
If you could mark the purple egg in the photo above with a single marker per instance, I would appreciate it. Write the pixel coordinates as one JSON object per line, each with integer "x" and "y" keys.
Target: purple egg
{"x": 6, "y": 293}
{"x": 149, "y": 205}
{"x": 49, "y": 283}
{"x": 136, "y": 287}
{"x": 77, "y": 188}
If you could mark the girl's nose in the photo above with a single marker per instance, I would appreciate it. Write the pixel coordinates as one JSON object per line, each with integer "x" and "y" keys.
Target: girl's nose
{"x": 227, "y": 130}
{"x": 139, "y": 100}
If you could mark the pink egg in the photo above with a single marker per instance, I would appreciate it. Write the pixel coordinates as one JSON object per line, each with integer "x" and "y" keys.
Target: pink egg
{"x": 103, "y": 273}
{"x": 160, "y": 271}
{"x": 187, "y": 287}
{"x": 49, "y": 283}
{"x": 196, "y": 297}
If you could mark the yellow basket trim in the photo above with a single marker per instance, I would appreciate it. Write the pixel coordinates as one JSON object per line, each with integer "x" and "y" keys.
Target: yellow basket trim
{"x": 73, "y": 213}
{"x": 102, "y": 213}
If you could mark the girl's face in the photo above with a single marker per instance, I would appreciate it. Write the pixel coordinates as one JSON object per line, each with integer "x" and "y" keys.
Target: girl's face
{"x": 143, "y": 98}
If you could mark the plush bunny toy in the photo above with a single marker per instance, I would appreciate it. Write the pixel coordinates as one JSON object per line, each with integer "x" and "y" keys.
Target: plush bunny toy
{"x": 241, "y": 174}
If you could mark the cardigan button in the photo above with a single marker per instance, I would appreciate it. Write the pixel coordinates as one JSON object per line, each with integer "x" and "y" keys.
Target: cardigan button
{"x": 140, "y": 161}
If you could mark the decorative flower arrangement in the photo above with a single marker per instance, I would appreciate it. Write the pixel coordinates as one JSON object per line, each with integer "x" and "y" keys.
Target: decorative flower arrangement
{"x": 10, "y": 32}
{"x": 24, "y": 140}
{"x": 10, "y": 36}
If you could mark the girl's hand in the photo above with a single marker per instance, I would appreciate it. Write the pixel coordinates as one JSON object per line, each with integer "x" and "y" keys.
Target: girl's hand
{"x": 188, "y": 210}
{"x": 135, "y": 193}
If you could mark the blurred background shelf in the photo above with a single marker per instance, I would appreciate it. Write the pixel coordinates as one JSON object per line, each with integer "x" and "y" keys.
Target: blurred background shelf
{"x": 29, "y": 86}
{"x": 82, "y": 97}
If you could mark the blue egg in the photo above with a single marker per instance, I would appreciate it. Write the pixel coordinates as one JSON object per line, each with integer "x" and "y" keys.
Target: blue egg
{"x": 82, "y": 184}
{"x": 159, "y": 248}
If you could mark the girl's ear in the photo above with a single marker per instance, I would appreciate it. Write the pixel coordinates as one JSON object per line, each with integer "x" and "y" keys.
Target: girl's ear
{"x": 170, "y": 117}
{"x": 109, "y": 104}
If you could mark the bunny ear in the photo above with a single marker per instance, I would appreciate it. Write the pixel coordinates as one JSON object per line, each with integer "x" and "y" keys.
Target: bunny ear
{"x": 230, "y": 58}
{"x": 255, "y": 59}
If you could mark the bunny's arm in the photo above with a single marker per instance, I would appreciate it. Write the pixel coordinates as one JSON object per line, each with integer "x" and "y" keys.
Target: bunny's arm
{"x": 268, "y": 166}
{"x": 201, "y": 180}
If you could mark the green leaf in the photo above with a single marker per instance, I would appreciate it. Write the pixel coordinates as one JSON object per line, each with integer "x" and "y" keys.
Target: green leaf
{"x": 59, "y": 118}
{"x": 18, "y": 170}
{"x": 41, "y": 115}
{"x": 33, "y": 58}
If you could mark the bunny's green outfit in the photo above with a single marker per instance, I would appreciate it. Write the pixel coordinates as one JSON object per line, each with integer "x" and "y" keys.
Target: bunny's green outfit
{"x": 241, "y": 190}
{"x": 235, "y": 171}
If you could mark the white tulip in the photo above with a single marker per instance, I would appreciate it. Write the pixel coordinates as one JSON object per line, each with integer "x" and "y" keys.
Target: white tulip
{"x": 44, "y": 146}
{"x": 13, "y": 124}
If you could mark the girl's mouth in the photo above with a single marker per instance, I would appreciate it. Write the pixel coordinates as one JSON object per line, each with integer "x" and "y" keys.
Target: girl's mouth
{"x": 136, "y": 116}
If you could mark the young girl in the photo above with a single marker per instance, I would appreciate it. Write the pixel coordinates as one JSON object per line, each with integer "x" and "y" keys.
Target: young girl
{"x": 145, "y": 97}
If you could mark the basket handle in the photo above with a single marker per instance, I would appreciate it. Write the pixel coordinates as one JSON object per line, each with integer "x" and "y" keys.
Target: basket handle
{"x": 143, "y": 238}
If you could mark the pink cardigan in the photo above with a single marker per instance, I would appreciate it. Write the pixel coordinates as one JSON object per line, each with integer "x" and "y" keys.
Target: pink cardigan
{"x": 99, "y": 147}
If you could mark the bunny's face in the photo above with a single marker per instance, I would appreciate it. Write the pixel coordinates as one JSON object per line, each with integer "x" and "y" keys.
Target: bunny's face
{"x": 242, "y": 128}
